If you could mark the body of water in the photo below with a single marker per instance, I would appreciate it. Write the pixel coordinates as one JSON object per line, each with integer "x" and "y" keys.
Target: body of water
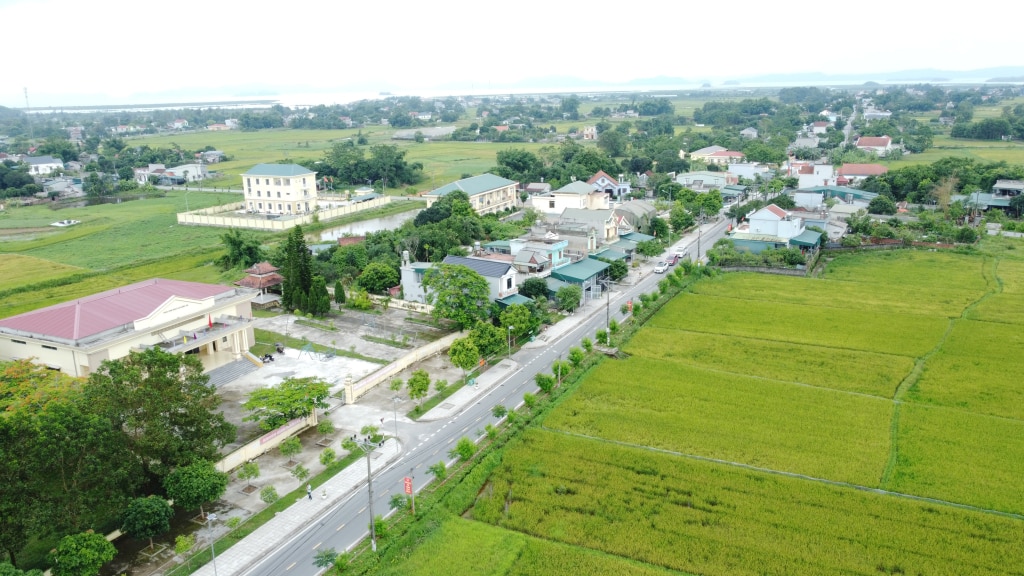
{"x": 373, "y": 225}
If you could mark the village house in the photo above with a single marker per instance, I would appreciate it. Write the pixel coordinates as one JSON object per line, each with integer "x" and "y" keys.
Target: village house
{"x": 879, "y": 145}
{"x": 573, "y": 195}
{"x": 487, "y": 193}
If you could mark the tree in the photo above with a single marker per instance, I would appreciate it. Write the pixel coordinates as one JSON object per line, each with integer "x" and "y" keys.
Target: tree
{"x": 327, "y": 456}
{"x": 464, "y": 354}
{"x": 439, "y": 470}
{"x": 612, "y": 142}
{"x": 568, "y": 297}
{"x": 488, "y": 338}
{"x": 545, "y": 382}
{"x": 248, "y": 472}
{"x": 318, "y": 302}
{"x": 377, "y": 277}
{"x": 292, "y": 398}
{"x": 659, "y": 229}
{"x": 147, "y": 517}
{"x": 520, "y": 319}
{"x": 649, "y": 248}
{"x": 339, "y": 293}
{"x": 296, "y": 269}
{"x": 881, "y": 205}
{"x": 300, "y": 472}
{"x": 464, "y": 449}
{"x": 499, "y": 411}
{"x": 81, "y": 554}
{"x": 164, "y": 405}
{"x": 419, "y": 385}
{"x": 538, "y": 288}
{"x": 290, "y": 447}
{"x": 617, "y": 270}
{"x": 7, "y": 569}
{"x": 325, "y": 558}
{"x": 458, "y": 293}
{"x": 196, "y": 484}
{"x": 243, "y": 249}
{"x": 576, "y": 356}
{"x": 680, "y": 218}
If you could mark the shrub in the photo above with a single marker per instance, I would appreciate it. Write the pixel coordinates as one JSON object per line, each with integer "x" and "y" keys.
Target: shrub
{"x": 327, "y": 456}
{"x": 439, "y": 470}
{"x": 499, "y": 411}
{"x": 300, "y": 472}
{"x": 269, "y": 494}
{"x": 545, "y": 382}
{"x": 464, "y": 449}
{"x": 588, "y": 345}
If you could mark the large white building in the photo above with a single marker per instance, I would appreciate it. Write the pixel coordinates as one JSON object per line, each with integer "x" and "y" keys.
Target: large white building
{"x": 280, "y": 189}
{"x": 487, "y": 193}
{"x": 210, "y": 320}
{"x": 576, "y": 194}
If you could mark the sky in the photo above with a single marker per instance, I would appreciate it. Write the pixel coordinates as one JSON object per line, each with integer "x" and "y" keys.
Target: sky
{"x": 70, "y": 52}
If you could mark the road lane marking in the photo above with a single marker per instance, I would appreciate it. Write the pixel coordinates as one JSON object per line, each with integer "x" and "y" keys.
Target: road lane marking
{"x": 338, "y": 529}
{"x": 362, "y": 509}
{"x": 317, "y": 545}
{"x": 291, "y": 566}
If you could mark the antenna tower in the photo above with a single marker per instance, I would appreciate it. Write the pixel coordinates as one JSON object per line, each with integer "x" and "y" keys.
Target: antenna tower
{"x": 28, "y": 117}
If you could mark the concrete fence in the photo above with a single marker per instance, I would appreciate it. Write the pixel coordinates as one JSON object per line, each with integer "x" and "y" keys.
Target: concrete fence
{"x": 402, "y": 304}
{"x": 353, "y": 391}
{"x": 234, "y": 216}
{"x": 265, "y": 443}
{"x": 763, "y": 270}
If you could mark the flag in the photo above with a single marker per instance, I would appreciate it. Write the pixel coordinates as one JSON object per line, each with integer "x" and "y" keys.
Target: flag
{"x": 210, "y": 320}
{"x": 184, "y": 339}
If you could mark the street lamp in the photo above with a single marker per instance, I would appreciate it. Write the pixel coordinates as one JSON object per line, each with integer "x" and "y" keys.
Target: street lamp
{"x": 395, "y": 400}
{"x": 367, "y": 448}
{"x": 213, "y": 554}
{"x": 510, "y": 342}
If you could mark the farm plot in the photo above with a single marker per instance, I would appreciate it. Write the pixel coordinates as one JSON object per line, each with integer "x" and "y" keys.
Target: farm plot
{"x": 763, "y": 423}
{"x": 978, "y": 369}
{"x": 960, "y": 457}
{"x": 483, "y": 549}
{"x": 912, "y": 268}
{"x": 17, "y": 270}
{"x": 846, "y": 370}
{"x": 710, "y": 518}
{"x": 949, "y": 301}
{"x": 1004, "y": 306}
{"x": 907, "y": 334}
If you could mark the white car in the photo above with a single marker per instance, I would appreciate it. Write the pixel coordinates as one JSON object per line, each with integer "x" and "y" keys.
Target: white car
{"x": 661, "y": 268}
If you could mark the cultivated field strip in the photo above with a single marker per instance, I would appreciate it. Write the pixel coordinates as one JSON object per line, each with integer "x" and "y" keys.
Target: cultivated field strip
{"x": 713, "y": 519}
{"x": 871, "y": 373}
{"x": 852, "y": 329}
{"x": 879, "y": 297}
{"x": 483, "y": 549}
{"x": 814, "y": 431}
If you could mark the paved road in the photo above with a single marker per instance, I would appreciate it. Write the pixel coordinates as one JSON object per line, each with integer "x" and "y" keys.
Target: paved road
{"x": 424, "y": 444}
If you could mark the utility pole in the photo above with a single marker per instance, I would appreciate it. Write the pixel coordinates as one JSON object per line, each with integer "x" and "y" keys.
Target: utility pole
{"x": 368, "y": 449}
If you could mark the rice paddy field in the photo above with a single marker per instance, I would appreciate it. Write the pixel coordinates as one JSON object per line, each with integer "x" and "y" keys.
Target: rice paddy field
{"x": 867, "y": 421}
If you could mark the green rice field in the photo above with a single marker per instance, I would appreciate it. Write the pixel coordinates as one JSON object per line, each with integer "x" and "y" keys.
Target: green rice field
{"x": 868, "y": 421}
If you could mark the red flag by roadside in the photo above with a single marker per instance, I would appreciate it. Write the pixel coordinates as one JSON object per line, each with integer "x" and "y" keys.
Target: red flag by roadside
{"x": 210, "y": 320}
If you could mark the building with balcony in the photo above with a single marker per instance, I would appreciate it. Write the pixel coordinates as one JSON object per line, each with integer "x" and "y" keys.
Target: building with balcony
{"x": 487, "y": 193}
{"x": 281, "y": 189}
{"x": 210, "y": 320}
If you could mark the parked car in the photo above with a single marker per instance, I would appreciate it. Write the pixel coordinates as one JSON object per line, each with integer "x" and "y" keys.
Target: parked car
{"x": 673, "y": 260}
{"x": 661, "y": 268}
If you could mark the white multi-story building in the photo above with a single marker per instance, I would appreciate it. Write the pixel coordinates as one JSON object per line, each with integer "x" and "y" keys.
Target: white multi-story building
{"x": 280, "y": 189}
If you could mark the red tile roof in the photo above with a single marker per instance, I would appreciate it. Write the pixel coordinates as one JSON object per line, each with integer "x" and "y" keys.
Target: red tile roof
{"x": 727, "y": 154}
{"x": 596, "y": 177}
{"x": 261, "y": 268}
{"x": 862, "y": 170}
{"x": 98, "y": 313}
{"x": 262, "y": 281}
{"x": 879, "y": 141}
{"x": 776, "y": 210}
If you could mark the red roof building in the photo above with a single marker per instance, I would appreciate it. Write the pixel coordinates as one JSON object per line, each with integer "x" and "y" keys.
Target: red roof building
{"x": 76, "y": 336}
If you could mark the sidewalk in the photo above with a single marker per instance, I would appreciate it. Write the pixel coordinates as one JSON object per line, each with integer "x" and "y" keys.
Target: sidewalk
{"x": 290, "y": 522}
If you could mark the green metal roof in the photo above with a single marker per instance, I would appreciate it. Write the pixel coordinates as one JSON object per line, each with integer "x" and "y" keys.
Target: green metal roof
{"x": 579, "y": 272}
{"x": 513, "y": 299}
{"x": 833, "y": 191}
{"x": 609, "y": 255}
{"x": 807, "y": 238}
{"x": 473, "y": 186}
{"x": 636, "y": 237}
{"x": 498, "y": 244}
{"x": 278, "y": 170}
{"x": 628, "y": 245}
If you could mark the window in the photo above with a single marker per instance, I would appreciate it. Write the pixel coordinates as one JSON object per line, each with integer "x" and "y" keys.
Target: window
{"x": 248, "y": 182}
{"x": 258, "y": 193}
{"x": 551, "y": 203}
{"x": 278, "y": 193}
{"x": 287, "y": 181}
{"x": 250, "y": 206}
{"x": 261, "y": 205}
{"x": 49, "y": 347}
{"x": 277, "y": 181}
{"x": 279, "y": 208}
{"x": 303, "y": 181}
{"x": 18, "y": 341}
{"x": 508, "y": 283}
